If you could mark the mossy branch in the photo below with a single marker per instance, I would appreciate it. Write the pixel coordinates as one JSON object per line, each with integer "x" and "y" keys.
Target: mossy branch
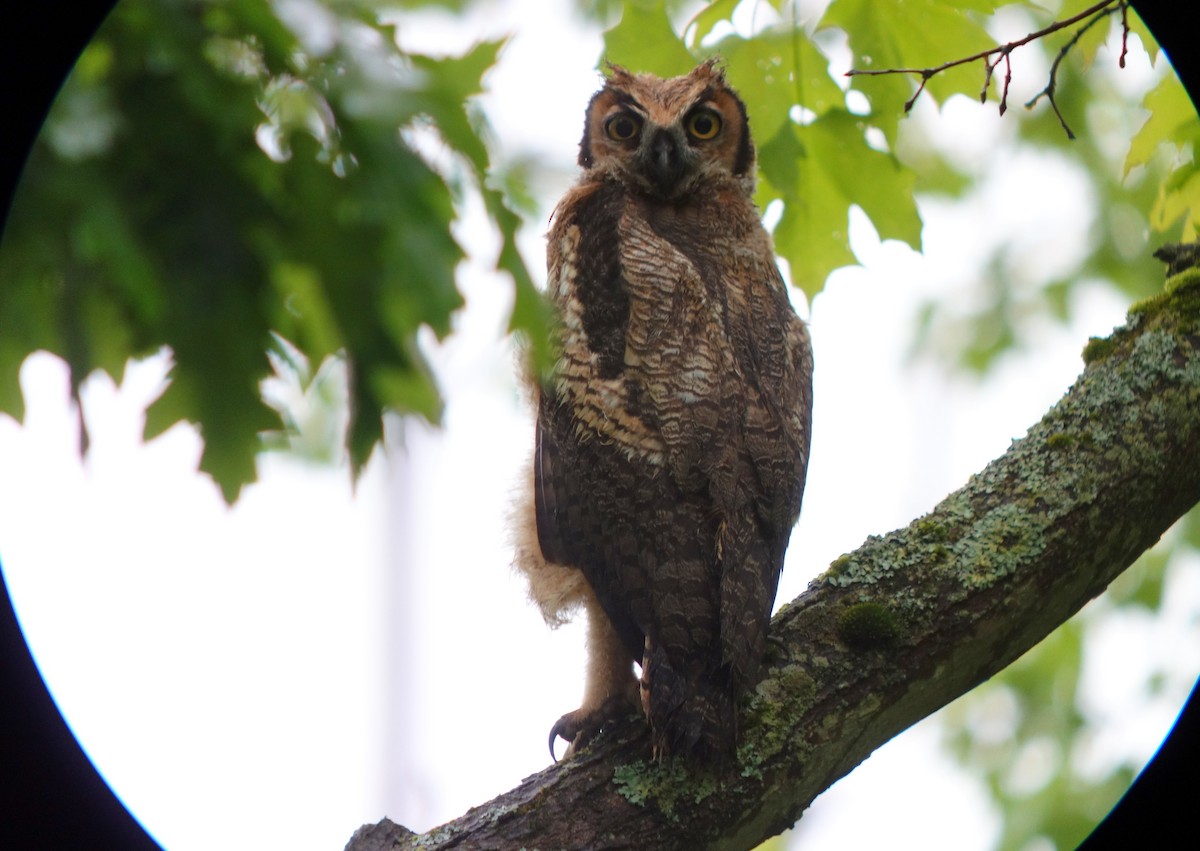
{"x": 906, "y": 623}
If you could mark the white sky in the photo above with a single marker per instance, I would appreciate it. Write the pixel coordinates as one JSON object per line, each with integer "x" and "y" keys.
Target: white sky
{"x": 346, "y": 655}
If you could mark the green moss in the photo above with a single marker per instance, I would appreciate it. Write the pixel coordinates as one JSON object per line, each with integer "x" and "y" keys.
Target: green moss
{"x": 1185, "y": 286}
{"x": 839, "y": 565}
{"x": 931, "y": 530}
{"x": 1150, "y": 306}
{"x": 869, "y": 625}
{"x": 1180, "y": 295}
{"x": 1099, "y": 348}
{"x": 1184, "y": 291}
{"x": 1060, "y": 440}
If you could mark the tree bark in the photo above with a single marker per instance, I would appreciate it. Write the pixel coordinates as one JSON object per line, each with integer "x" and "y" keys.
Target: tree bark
{"x": 906, "y": 623}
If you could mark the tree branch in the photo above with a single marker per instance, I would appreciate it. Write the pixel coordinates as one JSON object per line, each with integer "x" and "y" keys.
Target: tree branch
{"x": 1052, "y": 83}
{"x": 906, "y": 623}
{"x": 1003, "y": 52}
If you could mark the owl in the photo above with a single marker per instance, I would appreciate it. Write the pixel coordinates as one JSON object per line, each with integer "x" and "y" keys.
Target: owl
{"x": 672, "y": 435}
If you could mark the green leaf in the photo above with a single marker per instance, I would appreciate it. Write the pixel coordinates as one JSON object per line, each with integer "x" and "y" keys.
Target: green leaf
{"x": 1089, "y": 41}
{"x": 1172, "y": 119}
{"x": 894, "y": 34}
{"x": 702, "y": 22}
{"x": 818, "y": 171}
{"x": 644, "y": 40}
{"x": 307, "y": 316}
{"x": 812, "y": 234}
{"x": 450, "y": 83}
{"x": 1139, "y": 29}
{"x": 1178, "y": 200}
{"x": 775, "y": 71}
{"x": 203, "y": 184}
{"x": 12, "y": 401}
{"x": 417, "y": 391}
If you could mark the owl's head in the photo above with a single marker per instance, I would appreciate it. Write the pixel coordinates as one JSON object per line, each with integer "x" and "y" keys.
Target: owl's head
{"x": 666, "y": 138}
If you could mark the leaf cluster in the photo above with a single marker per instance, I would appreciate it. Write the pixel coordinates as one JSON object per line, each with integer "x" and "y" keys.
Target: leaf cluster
{"x": 245, "y": 182}
{"x": 828, "y": 144}
{"x": 815, "y": 156}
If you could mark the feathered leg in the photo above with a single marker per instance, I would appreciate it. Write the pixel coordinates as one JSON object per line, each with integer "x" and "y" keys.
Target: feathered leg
{"x": 610, "y": 690}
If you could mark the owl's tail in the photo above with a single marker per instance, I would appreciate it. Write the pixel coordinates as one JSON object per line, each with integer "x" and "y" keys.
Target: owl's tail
{"x": 690, "y": 715}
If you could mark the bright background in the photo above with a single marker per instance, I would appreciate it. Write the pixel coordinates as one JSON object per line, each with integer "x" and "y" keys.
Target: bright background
{"x": 347, "y": 653}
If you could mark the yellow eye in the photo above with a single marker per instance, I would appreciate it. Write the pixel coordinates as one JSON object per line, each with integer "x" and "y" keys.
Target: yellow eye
{"x": 623, "y": 126}
{"x": 703, "y": 124}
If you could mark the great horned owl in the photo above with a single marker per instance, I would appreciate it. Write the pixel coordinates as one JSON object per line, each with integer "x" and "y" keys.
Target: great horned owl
{"x": 673, "y": 435}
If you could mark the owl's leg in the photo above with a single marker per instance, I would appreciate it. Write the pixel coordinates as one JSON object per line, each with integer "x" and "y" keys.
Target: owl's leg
{"x": 644, "y": 681}
{"x": 610, "y": 690}
{"x": 657, "y": 751}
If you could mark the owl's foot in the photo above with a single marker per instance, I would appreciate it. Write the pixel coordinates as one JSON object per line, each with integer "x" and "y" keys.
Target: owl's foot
{"x": 581, "y": 726}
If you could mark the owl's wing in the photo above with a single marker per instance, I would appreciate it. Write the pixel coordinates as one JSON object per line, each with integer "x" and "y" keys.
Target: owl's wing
{"x": 553, "y": 492}
{"x": 776, "y": 365}
{"x": 582, "y": 506}
{"x": 779, "y": 426}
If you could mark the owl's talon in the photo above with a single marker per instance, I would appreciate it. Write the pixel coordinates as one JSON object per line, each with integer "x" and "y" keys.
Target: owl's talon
{"x": 561, "y": 730}
{"x": 574, "y": 728}
{"x": 581, "y": 726}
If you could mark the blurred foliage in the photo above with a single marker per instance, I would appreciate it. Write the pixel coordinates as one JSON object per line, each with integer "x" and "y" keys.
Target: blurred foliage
{"x": 1022, "y": 732}
{"x": 1034, "y": 739}
{"x": 241, "y": 178}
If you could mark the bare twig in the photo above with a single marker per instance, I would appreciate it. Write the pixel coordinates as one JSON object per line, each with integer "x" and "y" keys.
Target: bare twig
{"x": 1003, "y": 52}
{"x": 1048, "y": 92}
{"x": 1124, "y": 34}
{"x": 987, "y": 80}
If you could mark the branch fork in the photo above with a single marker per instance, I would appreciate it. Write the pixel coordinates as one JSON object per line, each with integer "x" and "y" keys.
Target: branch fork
{"x": 1003, "y": 53}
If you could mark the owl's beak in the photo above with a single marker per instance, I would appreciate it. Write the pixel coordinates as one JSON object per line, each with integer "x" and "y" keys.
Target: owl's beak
{"x": 663, "y": 158}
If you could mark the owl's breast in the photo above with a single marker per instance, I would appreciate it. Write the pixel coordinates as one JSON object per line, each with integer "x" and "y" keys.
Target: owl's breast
{"x": 595, "y": 375}
{"x": 658, "y": 338}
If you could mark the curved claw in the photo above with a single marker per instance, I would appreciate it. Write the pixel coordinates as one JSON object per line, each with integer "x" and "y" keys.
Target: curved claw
{"x": 559, "y": 731}
{"x": 573, "y": 728}
{"x": 581, "y": 726}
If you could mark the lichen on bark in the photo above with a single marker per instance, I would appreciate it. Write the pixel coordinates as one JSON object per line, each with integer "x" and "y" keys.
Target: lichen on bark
{"x": 910, "y": 620}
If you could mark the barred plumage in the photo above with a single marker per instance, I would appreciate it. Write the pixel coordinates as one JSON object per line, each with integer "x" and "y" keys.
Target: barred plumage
{"x": 672, "y": 440}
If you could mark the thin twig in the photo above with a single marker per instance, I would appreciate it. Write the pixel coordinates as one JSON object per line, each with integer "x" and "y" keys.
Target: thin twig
{"x": 1005, "y": 57}
{"x": 1003, "y": 52}
{"x": 929, "y": 72}
{"x": 1048, "y": 92}
{"x": 1124, "y": 34}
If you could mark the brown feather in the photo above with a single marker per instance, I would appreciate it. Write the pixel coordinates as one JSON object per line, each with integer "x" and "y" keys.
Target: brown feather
{"x": 672, "y": 441}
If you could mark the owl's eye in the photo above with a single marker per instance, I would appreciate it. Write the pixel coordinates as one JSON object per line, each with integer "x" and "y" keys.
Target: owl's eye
{"x": 703, "y": 124}
{"x": 623, "y": 126}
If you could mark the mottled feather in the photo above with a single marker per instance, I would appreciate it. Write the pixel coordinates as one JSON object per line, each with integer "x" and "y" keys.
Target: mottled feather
{"x": 672, "y": 440}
